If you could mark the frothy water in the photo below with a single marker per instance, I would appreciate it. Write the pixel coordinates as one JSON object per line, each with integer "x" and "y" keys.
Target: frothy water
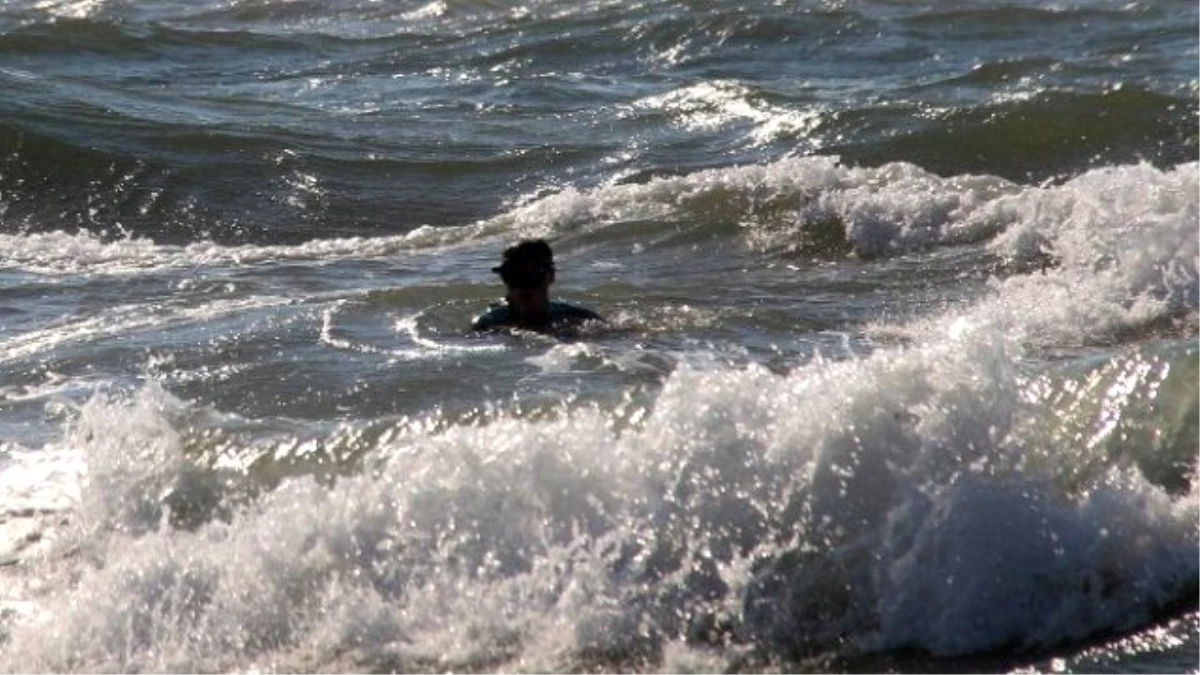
{"x": 899, "y": 373}
{"x": 843, "y": 504}
{"x": 855, "y": 501}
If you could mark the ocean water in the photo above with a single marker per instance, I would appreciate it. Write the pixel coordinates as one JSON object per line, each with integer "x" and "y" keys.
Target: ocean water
{"x": 900, "y": 368}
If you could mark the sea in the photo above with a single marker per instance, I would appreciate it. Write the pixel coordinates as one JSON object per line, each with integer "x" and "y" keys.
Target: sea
{"x": 899, "y": 369}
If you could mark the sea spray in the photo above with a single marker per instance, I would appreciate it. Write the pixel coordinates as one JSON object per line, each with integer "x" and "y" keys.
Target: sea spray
{"x": 736, "y": 508}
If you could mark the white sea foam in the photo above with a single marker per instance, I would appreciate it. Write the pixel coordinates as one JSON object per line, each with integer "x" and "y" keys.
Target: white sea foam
{"x": 885, "y": 501}
{"x": 920, "y": 497}
{"x": 58, "y": 253}
{"x": 1125, "y": 245}
{"x": 38, "y": 480}
{"x": 1133, "y": 227}
{"x": 894, "y": 207}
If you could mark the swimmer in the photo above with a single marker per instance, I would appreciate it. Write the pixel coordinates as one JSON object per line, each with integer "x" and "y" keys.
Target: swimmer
{"x": 527, "y": 272}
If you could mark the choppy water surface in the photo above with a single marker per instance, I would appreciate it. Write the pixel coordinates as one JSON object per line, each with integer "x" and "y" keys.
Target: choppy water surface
{"x": 900, "y": 368}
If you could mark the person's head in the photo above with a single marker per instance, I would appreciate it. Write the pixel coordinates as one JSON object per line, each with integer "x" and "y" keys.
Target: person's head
{"x": 527, "y": 272}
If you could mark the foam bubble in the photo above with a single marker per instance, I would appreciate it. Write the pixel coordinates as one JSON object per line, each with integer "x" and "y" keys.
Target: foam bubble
{"x": 63, "y": 253}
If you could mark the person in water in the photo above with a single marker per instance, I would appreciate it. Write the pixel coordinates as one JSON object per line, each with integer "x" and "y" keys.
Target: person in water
{"x": 527, "y": 272}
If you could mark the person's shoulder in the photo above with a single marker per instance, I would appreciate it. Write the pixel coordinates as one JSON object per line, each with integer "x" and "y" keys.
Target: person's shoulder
{"x": 565, "y": 311}
{"x": 497, "y": 315}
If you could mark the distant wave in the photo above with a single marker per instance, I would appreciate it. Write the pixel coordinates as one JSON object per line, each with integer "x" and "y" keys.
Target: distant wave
{"x": 813, "y": 206}
{"x": 215, "y": 121}
{"x": 1035, "y": 134}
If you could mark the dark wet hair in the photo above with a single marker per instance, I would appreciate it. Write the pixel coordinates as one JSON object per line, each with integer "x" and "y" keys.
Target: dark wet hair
{"x": 529, "y": 264}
